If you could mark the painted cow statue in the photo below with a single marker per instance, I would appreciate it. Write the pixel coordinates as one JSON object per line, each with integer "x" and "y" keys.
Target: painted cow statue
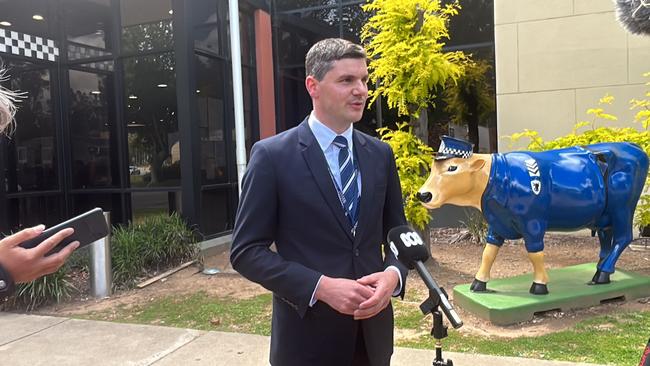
{"x": 525, "y": 194}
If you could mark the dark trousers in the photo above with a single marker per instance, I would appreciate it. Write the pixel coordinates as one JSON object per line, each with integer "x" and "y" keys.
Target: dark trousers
{"x": 360, "y": 352}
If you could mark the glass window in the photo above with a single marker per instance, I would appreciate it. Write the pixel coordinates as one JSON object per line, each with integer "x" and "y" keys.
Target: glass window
{"x": 28, "y": 16}
{"x": 30, "y": 211}
{"x": 107, "y": 202}
{"x": 293, "y": 46}
{"x": 150, "y": 116}
{"x": 146, "y": 25}
{"x": 32, "y": 150}
{"x": 144, "y": 204}
{"x": 295, "y": 103}
{"x": 323, "y": 21}
{"x": 211, "y": 102}
{"x": 208, "y": 38}
{"x": 299, "y": 4}
{"x": 206, "y": 11}
{"x": 473, "y": 24}
{"x": 215, "y": 211}
{"x": 92, "y": 129}
{"x": 88, "y": 28}
{"x": 250, "y": 102}
{"x": 353, "y": 19}
{"x": 246, "y": 38}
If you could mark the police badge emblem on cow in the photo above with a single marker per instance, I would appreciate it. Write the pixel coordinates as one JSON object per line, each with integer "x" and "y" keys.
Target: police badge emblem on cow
{"x": 524, "y": 194}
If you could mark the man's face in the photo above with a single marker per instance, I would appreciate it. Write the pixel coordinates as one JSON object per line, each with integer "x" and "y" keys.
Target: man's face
{"x": 340, "y": 97}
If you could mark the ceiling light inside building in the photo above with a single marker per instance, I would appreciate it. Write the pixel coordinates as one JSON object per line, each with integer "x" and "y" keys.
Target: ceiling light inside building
{"x": 133, "y": 96}
{"x": 5, "y": 23}
{"x": 95, "y": 92}
{"x": 38, "y": 17}
{"x": 162, "y": 85}
{"x": 171, "y": 12}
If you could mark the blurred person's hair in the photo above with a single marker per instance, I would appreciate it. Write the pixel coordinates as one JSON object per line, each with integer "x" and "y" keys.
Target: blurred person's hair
{"x": 8, "y": 99}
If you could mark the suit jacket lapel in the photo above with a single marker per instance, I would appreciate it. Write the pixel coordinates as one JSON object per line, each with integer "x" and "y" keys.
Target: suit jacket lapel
{"x": 317, "y": 164}
{"x": 368, "y": 182}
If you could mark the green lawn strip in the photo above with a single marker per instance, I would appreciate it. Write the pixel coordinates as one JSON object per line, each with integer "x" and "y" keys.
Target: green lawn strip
{"x": 613, "y": 339}
{"x": 198, "y": 311}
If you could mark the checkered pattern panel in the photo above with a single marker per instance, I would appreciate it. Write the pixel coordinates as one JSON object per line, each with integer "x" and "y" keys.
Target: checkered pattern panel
{"x": 22, "y": 44}
{"x": 77, "y": 52}
{"x": 459, "y": 153}
{"x": 100, "y": 65}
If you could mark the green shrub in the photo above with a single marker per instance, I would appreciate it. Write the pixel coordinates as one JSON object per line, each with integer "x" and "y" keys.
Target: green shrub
{"x": 594, "y": 135}
{"x": 51, "y": 288}
{"x": 476, "y": 226}
{"x": 413, "y": 159}
{"x": 158, "y": 241}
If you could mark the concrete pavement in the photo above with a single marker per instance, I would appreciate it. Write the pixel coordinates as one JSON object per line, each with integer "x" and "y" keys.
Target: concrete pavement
{"x": 44, "y": 340}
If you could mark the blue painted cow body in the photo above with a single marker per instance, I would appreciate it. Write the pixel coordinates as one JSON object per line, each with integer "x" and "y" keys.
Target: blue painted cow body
{"x": 595, "y": 187}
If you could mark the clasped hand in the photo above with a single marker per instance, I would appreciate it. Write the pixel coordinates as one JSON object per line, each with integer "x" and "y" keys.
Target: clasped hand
{"x": 363, "y": 298}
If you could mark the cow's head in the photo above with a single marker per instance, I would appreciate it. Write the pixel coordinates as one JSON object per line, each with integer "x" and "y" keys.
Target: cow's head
{"x": 457, "y": 181}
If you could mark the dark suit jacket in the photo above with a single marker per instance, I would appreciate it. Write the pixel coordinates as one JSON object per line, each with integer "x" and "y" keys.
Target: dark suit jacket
{"x": 288, "y": 197}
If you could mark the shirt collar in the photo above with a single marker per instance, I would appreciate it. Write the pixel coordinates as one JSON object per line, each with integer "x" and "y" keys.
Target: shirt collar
{"x": 325, "y": 135}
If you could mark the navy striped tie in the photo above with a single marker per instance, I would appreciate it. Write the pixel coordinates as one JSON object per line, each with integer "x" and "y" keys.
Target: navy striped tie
{"x": 348, "y": 174}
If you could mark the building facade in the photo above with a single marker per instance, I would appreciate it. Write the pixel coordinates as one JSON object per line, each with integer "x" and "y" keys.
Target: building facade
{"x": 128, "y": 104}
{"x": 555, "y": 59}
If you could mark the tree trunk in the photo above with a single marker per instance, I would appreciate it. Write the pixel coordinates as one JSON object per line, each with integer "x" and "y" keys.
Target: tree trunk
{"x": 421, "y": 126}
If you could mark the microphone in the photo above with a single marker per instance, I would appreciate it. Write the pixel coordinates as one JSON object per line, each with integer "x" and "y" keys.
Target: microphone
{"x": 408, "y": 247}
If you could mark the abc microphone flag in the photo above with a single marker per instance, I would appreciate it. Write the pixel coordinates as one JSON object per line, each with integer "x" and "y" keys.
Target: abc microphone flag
{"x": 409, "y": 248}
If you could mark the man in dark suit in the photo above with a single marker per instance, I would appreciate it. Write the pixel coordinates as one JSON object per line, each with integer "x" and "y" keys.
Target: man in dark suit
{"x": 326, "y": 195}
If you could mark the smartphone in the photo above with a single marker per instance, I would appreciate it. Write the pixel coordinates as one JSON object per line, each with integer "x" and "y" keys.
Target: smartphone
{"x": 88, "y": 227}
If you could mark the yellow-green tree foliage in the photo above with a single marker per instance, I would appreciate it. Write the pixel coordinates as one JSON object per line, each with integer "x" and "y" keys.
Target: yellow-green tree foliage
{"x": 593, "y": 134}
{"x": 413, "y": 158}
{"x": 404, "y": 40}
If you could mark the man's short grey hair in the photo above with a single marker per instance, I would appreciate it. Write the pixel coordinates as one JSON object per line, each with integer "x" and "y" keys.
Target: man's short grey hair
{"x": 321, "y": 56}
{"x": 8, "y": 99}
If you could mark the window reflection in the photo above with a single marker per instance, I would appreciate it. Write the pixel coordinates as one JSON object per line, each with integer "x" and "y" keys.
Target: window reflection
{"x": 22, "y": 17}
{"x": 88, "y": 28}
{"x": 298, "y": 4}
{"x": 152, "y": 126}
{"x": 210, "y": 99}
{"x": 30, "y": 211}
{"x": 32, "y": 148}
{"x": 146, "y": 25}
{"x": 215, "y": 207}
{"x": 353, "y": 18}
{"x": 92, "y": 126}
{"x": 146, "y": 204}
{"x": 108, "y": 202}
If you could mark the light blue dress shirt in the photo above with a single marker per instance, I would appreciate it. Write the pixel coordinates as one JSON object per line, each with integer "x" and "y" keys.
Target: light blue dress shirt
{"x": 325, "y": 136}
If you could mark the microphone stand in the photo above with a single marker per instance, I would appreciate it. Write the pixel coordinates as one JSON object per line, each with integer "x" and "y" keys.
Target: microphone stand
{"x": 438, "y": 329}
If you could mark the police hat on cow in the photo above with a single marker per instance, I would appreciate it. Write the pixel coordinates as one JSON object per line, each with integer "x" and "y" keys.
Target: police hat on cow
{"x": 451, "y": 147}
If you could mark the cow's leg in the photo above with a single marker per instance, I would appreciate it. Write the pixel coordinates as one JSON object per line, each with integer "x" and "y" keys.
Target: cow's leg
{"x": 483, "y": 275}
{"x": 622, "y": 236}
{"x": 535, "y": 247}
{"x": 540, "y": 277}
{"x": 606, "y": 238}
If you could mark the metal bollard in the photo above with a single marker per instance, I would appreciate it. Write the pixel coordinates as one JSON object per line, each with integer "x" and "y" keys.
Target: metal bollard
{"x": 101, "y": 273}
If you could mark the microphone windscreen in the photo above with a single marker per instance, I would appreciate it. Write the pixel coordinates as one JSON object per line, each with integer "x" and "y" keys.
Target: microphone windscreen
{"x": 407, "y": 245}
{"x": 634, "y": 15}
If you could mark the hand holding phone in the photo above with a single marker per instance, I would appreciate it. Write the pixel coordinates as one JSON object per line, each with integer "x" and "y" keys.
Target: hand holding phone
{"x": 24, "y": 265}
{"x": 88, "y": 227}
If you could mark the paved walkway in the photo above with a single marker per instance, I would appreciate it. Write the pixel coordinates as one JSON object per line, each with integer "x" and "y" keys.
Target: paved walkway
{"x": 44, "y": 340}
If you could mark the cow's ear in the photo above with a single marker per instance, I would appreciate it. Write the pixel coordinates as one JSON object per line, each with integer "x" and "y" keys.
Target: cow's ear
{"x": 476, "y": 165}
